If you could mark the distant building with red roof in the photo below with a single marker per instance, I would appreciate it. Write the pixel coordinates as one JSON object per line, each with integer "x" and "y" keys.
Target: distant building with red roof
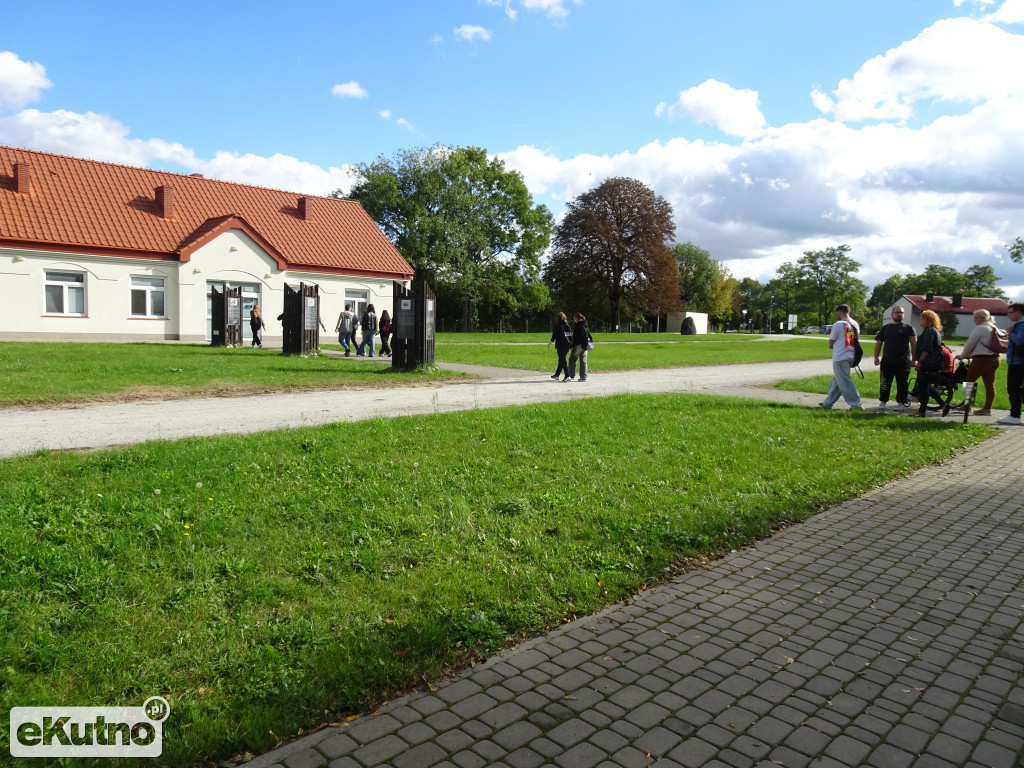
{"x": 963, "y": 307}
{"x": 93, "y": 250}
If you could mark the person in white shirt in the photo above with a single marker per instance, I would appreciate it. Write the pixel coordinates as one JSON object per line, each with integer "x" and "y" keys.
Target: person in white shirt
{"x": 841, "y": 341}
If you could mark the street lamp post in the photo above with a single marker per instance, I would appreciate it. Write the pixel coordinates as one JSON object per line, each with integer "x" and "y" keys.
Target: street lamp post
{"x": 770, "y": 300}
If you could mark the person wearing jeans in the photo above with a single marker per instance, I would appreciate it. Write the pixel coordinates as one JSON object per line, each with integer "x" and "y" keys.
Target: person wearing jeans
{"x": 1015, "y": 364}
{"x": 580, "y": 340}
{"x": 845, "y": 332}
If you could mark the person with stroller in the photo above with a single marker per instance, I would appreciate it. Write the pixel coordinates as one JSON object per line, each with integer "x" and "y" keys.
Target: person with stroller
{"x": 561, "y": 335}
{"x": 928, "y": 360}
{"x": 984, "y": 360}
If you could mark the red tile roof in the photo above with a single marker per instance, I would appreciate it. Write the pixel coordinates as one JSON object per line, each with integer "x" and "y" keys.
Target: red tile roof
{"x": 968, "y": 304}
{"x": 89, "y": 206}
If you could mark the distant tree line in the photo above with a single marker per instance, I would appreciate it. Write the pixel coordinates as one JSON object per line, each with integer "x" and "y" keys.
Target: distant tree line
{"x": 469, "y": 227}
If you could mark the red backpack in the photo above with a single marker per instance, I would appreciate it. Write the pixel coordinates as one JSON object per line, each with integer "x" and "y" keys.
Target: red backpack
{"x": 948, "y": 365}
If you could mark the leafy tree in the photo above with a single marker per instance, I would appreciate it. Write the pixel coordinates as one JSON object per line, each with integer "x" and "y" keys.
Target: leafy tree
{"x": 886, "y": 293}
{"x": 828, "y": 276}
{"x": 465, "y": 223}
{"x": 1016, "y": 249}
{"x": 613, "y": 244}
{"x": 752, "y": 297}
{"x": 786, "y": 291}
{"x": 981, "y": 281}
{"x": 697, "y": 276}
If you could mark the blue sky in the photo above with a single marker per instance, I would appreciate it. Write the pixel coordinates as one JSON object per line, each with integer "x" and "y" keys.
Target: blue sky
{"x": 771, "y": 128}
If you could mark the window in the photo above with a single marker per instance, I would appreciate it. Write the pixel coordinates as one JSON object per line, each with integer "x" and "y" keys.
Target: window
{"x": 358, "y": 300}
{"x": 147, "y": 297}
{"x": 65, "y": 293}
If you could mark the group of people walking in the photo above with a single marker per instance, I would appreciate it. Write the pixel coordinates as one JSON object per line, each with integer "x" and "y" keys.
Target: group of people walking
{"x": 574, "y": 342}
{"x": 898, "y": 350}
{"x": 348, "y": 326}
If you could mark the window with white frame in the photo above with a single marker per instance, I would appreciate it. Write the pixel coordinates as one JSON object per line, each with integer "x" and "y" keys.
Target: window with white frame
{"x": 147, "y": 297}
{"x": 64, "y": 293}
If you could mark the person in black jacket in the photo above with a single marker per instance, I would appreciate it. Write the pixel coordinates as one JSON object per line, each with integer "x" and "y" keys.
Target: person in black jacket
{"x": 256, "y": 325}
{"x": 581, "y": 341}
{"x": 929, "y": 358}
{"x": 385, "y": 333}
{"x": 561, "y": 335}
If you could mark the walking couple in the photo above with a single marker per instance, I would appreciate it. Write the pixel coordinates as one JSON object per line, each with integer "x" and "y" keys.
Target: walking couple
{"x": 575, "y": 342}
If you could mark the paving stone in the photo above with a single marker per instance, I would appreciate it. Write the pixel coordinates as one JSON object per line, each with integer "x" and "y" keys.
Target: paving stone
{"x": 570, "y": 732}
{"x": 581, "y": 756}
{"x": 693, "y": 753}
{"x": 380, "y": 750}
{"x": 307, "y": 758}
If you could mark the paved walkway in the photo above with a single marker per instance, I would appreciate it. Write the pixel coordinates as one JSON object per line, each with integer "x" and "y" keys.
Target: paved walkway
{"x": 885, "y": 632}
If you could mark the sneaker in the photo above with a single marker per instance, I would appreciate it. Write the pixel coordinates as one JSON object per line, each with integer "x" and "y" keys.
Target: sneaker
{"x": 899, "y": 407}
{"x": 856, "y": 407}
{"x": 880, "y": 407}
{"x": 555, "y": 377}
{"x": 568, "y": 378}
{"x": 1014, "y": 420}
{"x": 582, "y": 379}
{"x": 826, "y": 407}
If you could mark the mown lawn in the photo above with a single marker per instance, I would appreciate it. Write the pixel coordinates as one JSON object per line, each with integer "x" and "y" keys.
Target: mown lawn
{"x": 43, "y": 373}
{"x": 613, "y": 354}
{"x": 272, "y": 582}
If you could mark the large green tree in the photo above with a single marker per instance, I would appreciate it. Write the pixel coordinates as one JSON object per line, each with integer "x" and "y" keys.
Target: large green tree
{"x": 613, "y": 245}
{"x": 827, "y": 278}
{"x": 466, "y": 224}
{"x": 978, "y": 280}
{"x": 705, "y": 284}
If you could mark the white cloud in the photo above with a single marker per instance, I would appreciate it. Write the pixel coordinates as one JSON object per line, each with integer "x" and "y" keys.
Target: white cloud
{"x": 21, "y": 82}
{"x": 955, "y": 60}
{"x": 404, "y": 123}
{"x": 553, "y": 8}
{"x": 351, "y": 90}
{"x": 951, "y": 192}
{"x": 99, "y": 137}
{"x": 733, "y": 111}
{"x": 278, "y": 172}
{"x": 1010, "y": 12}
{"x": 385, "y": 113}
{"x": 471, "y": 32}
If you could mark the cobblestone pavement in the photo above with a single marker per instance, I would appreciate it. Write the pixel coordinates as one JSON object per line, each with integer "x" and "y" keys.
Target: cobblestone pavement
{"x": 884, "y": 632}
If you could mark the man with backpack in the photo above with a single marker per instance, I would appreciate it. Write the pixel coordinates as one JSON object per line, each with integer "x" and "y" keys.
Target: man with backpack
{"x": 894, "y": 349}
{"x": 844, "y": 341}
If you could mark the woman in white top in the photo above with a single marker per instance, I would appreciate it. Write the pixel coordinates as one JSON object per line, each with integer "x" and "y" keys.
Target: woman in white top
{"x": 984, "y": 360}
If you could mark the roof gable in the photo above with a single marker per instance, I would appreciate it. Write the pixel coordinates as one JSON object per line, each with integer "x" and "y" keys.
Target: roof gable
{"x": 75, "y": 204}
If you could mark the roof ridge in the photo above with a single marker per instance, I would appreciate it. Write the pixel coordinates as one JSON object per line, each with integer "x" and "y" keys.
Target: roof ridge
{"x": 194, "y": 176}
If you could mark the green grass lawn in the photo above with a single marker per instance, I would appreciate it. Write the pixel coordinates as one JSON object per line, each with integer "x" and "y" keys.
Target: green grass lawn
{"x": 40, "y": 373}
{"x": 624, "y": 338}
{"x": 272, "y": 582}
{"x": 612, "y": 354}
{"x": 868, "y": 386}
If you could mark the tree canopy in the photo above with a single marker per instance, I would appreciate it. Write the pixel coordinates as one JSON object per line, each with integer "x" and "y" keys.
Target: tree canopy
{"x": 978, "y": 280}
{"x": 466, "y": 224}
{"x": 612, "y": 246}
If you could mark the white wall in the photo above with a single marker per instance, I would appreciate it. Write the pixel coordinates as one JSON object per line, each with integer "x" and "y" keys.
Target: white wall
{"x": 675, "y": 321}
{"x": 232, "y": 256}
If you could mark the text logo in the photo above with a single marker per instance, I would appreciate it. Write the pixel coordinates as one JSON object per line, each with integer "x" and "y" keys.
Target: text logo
{"x": 89, "y": 731}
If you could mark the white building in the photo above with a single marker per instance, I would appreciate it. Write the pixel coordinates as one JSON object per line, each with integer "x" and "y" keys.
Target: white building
{"x": 963, "y": 306}
{"x": 97, "y": 251}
